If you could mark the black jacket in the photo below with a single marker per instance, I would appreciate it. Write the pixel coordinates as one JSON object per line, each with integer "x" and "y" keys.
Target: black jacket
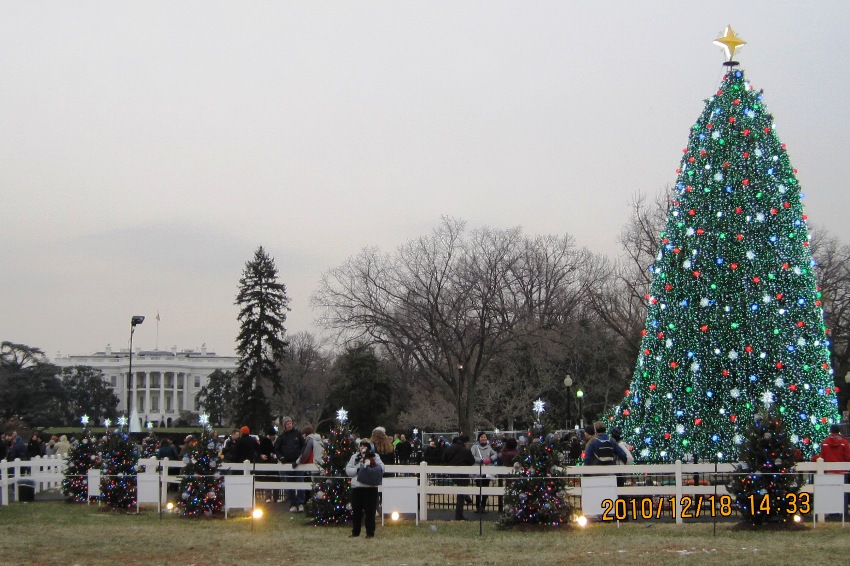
{"x": 289, "y": 445}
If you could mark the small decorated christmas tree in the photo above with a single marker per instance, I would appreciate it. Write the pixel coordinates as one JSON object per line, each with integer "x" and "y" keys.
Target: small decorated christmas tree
{"x": 329, "y": 504}
{"x": 765, "y": 487}
{"x": 202, "y": 487}
{"x": 539, "y": 495}
{"x": 82, "y": 457}
{"x": 118, "y": 480}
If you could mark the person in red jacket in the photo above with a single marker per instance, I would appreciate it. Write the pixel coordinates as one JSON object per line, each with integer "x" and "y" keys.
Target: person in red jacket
{"x": 834, "y": 448}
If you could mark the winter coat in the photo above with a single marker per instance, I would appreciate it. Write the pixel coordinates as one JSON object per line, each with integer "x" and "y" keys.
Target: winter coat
{"x": 355, "y": 463}
{"x": 288, "y": 446}
{"x": 312, "y": 451}
{"x": 834, "y": 448}
{"x": 483, "y": 454}
{"x": 589, "y": 452}
{"x": 507, "y": 456}
{"x": 19, "y": 449}
{"x": 629, "y": 458}
{"x": 63, "y": 446}
{"x": 246, "y": 447}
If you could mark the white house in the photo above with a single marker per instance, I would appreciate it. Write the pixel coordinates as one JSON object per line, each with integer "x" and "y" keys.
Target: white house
{"x": 166, "y": 381}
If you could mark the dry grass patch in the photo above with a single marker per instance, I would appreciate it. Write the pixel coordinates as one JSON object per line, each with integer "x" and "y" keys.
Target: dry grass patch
{"x": 60, "y": 533}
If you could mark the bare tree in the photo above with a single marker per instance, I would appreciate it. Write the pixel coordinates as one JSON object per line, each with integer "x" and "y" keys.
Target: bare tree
{"x": 452, "y": 301}
{"x": 618, "y": 295}
{"x": 306, "y": 376}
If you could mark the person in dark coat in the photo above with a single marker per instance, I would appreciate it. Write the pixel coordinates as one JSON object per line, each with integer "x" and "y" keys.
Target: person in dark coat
{"x": 246, "y": 447}
{"x": 288, "y": 448}
{"x": 36, "y": 446}
{"x": 459, "y": 454}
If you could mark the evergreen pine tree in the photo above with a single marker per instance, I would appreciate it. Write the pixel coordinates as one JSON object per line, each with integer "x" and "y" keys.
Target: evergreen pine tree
{"x": 734, "y": 316}
{"x": 119, "y": 468}
{"x": 539, "y": 495}
{"x": 261, "y": 347}
{"x": 82, "y": 457}
{"x": 329, "y": 504}
{"x": 765, "y": 487}
{"x": 202, "y": 487}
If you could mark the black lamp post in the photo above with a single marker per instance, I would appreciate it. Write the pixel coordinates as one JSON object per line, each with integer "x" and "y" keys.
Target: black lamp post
{"x": 134, "y": 417}
{"x": 568, "y": 383}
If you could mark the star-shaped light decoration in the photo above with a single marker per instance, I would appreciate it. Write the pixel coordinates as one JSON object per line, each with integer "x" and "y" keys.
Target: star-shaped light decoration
{"x": 539, "y": 407}
{"x": 149, "y": 425}
{"x": 767, "y": 398}
{"x": 122, "y": 421}
{"x": 106, "y": 423}
{"x": 729, "y": 41}
{"x": 342, "y": 415}
{"x": 84, "y": 420}
{"x": 204, "y": 419}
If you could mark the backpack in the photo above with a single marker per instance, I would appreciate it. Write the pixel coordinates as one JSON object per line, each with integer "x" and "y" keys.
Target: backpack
{"x": 604, "y": 455}
{"x": 371, "y": 476}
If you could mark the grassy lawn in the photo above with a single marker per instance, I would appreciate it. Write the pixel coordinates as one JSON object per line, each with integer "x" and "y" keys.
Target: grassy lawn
{"x": 62, "y": 533}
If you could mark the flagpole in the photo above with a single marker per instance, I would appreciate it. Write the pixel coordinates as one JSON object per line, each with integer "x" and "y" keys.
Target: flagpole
{"x": 157, "y": 330}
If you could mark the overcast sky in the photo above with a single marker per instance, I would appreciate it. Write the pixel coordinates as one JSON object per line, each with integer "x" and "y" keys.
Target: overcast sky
{"x": 147, "y": 148}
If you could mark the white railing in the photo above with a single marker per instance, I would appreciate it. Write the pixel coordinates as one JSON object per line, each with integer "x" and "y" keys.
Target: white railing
{"x": 673, "y": 483}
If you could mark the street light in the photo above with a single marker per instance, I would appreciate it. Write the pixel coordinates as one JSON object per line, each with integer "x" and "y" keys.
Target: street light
{"x": 580, "y": 396}
{"x": 134, "y": 415}
{"x": 568, "y": 382}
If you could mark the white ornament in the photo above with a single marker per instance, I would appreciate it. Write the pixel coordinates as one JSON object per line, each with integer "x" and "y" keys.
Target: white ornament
{"x": 680, "y": 429}
{"x": 733, "y": 355}
{"x": 767, "y": 398}
{"x": 735, "y": 393}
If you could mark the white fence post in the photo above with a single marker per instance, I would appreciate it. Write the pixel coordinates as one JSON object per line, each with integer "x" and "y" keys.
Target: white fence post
{"x": 423, "y": 490}
{"x": 678, "y": 502}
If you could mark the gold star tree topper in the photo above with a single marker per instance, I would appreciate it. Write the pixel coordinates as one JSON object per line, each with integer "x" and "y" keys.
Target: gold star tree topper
{"x": 729, "y": 41}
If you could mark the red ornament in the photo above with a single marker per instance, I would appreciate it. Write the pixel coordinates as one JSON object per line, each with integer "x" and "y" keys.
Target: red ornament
{"x": 824, "y": 366}
{"x": 786, "y": 204}
{"x": 696, "y": 273}
{"x": 828, "y": 392}
{"x": 779, "y": 296}
{"x": 733, "y": 266}
{"x": 736, "y": 102}
{"x": 644, "y": 332}
{"x": 646, "y": 352}
{"x": 660, "y": 335}
{"x": 805, "y": 217}
{"x": 779, "y": 365}
{"x": 738, "y": 210}
{"x": 667, "y": 287}
{"x": 674, "y": 365}
{"x": 691, "y": 159}
{"x": 733, "y": 418}
{"x": 748, "y": 349}
{"x": 767, "y": 130}
{"x": 676, "y": 250}
{"x": 773, "y": 211}
{"x": 746, "y": 155}
{"x": 745, "y": 182}
{"x": 697, "y": 421}
{"x": 725, "y": 373}
{"x": 704, "y": 328}
{"x": 756, "y": 279}
{"x": 626, "y": 412}
{"x": 666, "y": 436}
{"x": 692, "y": 212}
{"x": 801, "y": 324}
{"x": 792, "y": 387}
{"x": 700, "y": 231}
{"x": 731, "y": 119}
{"x": 746, "y": 131}
{"x": 739, "y": 237}
{"x": 652, "y": 386}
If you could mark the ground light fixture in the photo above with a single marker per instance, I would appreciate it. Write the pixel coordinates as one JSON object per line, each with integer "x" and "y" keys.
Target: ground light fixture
{"x": 581, "y": 521}
{"x": 257, "y": 513}
{"x": 394, "y": 515}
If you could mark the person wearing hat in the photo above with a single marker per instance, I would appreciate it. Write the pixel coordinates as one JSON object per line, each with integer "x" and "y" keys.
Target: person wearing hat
{"x": 247, "y": 448}
{"x": 617, "y": 436}
{"x": 288, "y": 448}
{"x": 364, "y": 497}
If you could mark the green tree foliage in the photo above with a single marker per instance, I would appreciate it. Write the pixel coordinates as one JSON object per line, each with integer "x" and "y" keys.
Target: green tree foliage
{"x": 329, "y": 504}
{"x": 765, "y": 486}
{"x": 217, "y": 397}
{"x": 539, "y": 495}
{"x": 260, "y": 345}
{"x": 734, "y": 311}
{"x": 363, "y": 388}
{"x": 29, "y": 388}
{"x": 86, "y": 393}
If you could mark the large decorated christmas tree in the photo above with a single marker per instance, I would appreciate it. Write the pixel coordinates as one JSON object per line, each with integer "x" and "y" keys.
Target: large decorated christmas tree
{"x": 331, "y": 494}
{"x": 734, "y": 317}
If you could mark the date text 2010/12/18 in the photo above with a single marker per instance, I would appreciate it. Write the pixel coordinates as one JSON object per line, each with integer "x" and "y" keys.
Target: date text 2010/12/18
{"x": 649, "y": 508}
{"x": 692, "y": 507}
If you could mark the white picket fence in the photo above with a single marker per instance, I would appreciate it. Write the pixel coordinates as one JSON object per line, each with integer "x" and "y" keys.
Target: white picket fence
{"x": 677, "y": 485}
